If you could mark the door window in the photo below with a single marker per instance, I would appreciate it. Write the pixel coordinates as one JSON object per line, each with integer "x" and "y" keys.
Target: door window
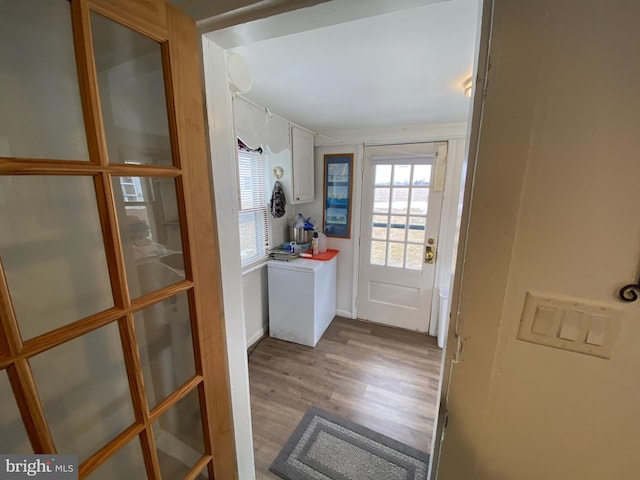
{"x": 399, "y": 214}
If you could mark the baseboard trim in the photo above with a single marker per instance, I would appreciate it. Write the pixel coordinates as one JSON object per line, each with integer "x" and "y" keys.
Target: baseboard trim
{"x": 255, "y": 338}
{"x": 344, "y": 313}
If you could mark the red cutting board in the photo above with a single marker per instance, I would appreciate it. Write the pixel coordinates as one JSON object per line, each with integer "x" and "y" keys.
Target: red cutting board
{"x": 328, "y": 255}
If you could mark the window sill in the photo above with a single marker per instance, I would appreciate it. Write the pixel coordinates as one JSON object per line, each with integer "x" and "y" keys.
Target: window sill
{"x": 255, "y": 266}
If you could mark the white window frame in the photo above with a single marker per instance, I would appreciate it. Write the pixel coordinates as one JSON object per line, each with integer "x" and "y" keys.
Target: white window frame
{"x": 253, "y": 208}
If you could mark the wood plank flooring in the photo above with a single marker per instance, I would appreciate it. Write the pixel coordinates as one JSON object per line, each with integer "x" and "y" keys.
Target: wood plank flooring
{"x": 383, "y": 378}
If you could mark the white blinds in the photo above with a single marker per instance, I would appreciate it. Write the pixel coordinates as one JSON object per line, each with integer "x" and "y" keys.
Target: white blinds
{"x": 253, "y": 215}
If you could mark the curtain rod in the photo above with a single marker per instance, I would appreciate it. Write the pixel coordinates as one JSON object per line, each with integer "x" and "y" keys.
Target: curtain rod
{"x": 269, "y": 112}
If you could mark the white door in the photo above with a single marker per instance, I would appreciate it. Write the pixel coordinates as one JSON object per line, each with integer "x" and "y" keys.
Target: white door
{"x": 401, "y": 203}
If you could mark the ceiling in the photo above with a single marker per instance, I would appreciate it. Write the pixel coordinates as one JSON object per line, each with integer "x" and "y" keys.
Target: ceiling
{"x": 365, "y": 68}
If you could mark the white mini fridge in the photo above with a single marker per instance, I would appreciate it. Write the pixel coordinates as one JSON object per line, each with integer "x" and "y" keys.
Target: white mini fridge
{"x": 302, "y": 299}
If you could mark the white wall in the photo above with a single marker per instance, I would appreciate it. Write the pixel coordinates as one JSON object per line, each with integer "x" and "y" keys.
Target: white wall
{"x": 224, "y": 165}
{"x": 553, "y": 209}
{"x": 348, "y": 257}
{"x": 256, "y": 304}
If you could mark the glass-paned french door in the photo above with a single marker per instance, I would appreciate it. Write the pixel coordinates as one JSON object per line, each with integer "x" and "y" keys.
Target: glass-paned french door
{"x": 111, "y": 341}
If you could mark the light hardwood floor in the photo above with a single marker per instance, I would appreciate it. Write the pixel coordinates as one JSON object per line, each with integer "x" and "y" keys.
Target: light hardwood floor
{"x": 383, "y": 378}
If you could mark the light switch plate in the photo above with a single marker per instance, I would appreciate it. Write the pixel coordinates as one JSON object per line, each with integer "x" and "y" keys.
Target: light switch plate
{"x": 574, "y": 324}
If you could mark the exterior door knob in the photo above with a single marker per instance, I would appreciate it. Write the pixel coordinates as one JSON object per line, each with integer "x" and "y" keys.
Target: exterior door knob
{"x": 430, "y": 254}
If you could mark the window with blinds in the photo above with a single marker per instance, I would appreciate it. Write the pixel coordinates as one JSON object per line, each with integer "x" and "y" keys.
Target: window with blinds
{"x": 254, "y": 209}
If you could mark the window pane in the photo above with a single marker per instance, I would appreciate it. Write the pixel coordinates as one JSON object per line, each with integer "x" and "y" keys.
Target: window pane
{"x": 400, "y": 202}
{"x": 421, "y": 175}
{"x": 14, "y": 436}
{"x": 381, "y": 200}
{"x": 401, "y": 175}
{"x": 414, "y": 257}
{"x": 253, "y": 238}
{"x": 84, "y": 390}
{"x": 163, "y": 331}
{"x": 379, "y": 227}
{"x": 251, "y": 175}
{"x": 150, "y": 234}
{"x": 398, "y": 228}
{"x": 52, "y": 249}
{"x": 416, "y": 229}
{"x": 419, "y": 201}
{"x": 128, "y": 463}
{"x": 382, "y": 175}
{"x": 378, "y": 253}
{"x": 39, "y": 95}
{"x": 179, "y": 439}
{"x": 253, "y": 217}
{"x": 132, "y": 94}
{"x": 396, "y": 255}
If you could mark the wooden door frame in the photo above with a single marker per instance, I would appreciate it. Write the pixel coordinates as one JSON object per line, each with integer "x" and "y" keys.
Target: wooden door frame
{"x": 179, "y": 41}
{"x": 184, "y": 52}
{"x": 455, "y": 334}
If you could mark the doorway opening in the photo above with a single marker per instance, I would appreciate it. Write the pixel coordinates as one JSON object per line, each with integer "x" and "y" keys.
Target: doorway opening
{"x": 341, "y": 137}
{"x": 401, "y": 209}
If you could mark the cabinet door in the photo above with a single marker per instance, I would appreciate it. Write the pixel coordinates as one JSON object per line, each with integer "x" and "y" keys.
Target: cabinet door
{"x": 302, "y": 154}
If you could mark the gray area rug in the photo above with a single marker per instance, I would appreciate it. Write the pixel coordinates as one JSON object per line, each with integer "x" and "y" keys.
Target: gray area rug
{"x": 327, "y": 447}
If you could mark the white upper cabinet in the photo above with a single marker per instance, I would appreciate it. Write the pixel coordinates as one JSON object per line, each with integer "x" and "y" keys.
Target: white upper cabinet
{"x": 302, "y": 164}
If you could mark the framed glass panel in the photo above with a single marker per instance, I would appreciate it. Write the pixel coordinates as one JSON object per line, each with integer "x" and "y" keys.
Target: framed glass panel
{"x": 14, "y": 437}
{"x": 382, "y": 175}
{"x": 421, "y": 175}
{"x": 400, "y": 200}
{"x": 84, "y": 391}
{"x": 150, "y": 232}
{"x": 53, "y": 251}
{"x": 417, "y": 228}
{"x": 164, "y": 337}
{"x": 178, "y": 436}
{"x": 398, "y": 229}
{"x": 127, "y": 463}
{"x": 419, "y": 201}
{"x": 40, "y": 98}
{"x": 132, "y": 94}
{"x": 395, "y": 257}
{"x": 414, "y": 257}
{"x": 401, "y": 175}
{"x": 378, "y": 253}
{"x": 381, "y": 200}
{"x": 379, "y": 227}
